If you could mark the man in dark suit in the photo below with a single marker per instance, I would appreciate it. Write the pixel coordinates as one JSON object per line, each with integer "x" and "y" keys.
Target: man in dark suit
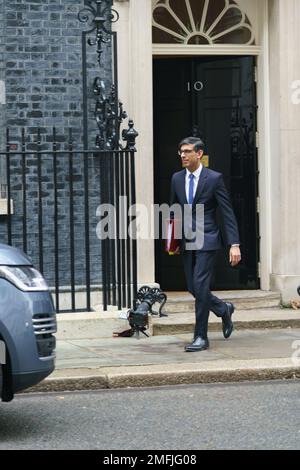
{"x": 190, "y": 187}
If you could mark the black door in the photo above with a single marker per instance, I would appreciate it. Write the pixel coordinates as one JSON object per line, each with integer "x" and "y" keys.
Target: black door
{"x": 214, "y": 98}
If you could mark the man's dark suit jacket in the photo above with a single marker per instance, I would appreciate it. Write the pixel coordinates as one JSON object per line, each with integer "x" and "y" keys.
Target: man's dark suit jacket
{"x": 211, "y": 192}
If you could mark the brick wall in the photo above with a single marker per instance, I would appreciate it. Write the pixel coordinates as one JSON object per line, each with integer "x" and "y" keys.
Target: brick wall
{"x": 42, "y": 68}
{"x": 43, "y": 64}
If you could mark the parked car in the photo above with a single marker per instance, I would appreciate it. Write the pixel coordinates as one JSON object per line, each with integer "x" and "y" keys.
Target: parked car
{"x": 27, "y": 324}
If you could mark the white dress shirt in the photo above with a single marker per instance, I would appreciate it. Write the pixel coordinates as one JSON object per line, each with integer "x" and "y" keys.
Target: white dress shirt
{"x": 196, "y": 174}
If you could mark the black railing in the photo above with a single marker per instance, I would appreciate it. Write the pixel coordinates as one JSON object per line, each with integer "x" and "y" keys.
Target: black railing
{"x": 56, "y": 190}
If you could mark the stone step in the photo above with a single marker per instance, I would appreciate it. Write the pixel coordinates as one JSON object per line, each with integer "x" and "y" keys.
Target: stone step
{"x": 89, "y": 325}
{"x": 182, "y": 323}
{"x": 179, "y": 302}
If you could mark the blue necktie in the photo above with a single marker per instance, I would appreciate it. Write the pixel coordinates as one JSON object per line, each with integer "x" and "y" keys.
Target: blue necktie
{"x": 191, "y": 189}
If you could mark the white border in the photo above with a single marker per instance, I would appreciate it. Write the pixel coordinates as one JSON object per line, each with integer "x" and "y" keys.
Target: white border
{"x": 219, "y": 49}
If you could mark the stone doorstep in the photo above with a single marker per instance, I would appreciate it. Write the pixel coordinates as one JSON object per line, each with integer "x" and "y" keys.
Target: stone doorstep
{"x": 177, "y": 307}
{"x": 243, "y": 300}
{"x": 183, "y": 323}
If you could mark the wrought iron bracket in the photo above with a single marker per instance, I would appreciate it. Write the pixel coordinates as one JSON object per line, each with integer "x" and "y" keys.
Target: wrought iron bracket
{"x": 100, "y": 16}
{"x": 109, "y": 113}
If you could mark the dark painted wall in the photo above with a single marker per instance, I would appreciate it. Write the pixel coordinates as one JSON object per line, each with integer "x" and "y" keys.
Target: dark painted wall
{"x": 41, "y": 64}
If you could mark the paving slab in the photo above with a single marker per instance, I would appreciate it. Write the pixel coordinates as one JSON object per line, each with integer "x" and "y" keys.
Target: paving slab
{"x": 161, "y": 360}
{"x": 243, "y": 345}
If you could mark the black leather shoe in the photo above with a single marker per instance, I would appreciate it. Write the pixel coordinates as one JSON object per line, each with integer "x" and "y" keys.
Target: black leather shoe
{"x": 226, "y": 320}
{"x": 199, "y": 344}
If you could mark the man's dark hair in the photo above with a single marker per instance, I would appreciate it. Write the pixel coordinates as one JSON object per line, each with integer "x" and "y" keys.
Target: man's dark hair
{"x": 195, "y": 141}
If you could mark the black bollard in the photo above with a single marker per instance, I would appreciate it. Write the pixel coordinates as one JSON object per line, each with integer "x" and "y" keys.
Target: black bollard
{"x": 138, "y": 316}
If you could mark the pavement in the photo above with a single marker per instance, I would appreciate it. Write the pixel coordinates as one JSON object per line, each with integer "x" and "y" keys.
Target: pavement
{"x": 265, "y": 345}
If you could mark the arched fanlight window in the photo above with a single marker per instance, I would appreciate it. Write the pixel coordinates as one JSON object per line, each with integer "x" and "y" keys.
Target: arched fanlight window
{"x": 203, "y": 22}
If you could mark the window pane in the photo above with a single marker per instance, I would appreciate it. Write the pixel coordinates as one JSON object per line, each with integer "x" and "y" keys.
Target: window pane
{"x": 213, "y": 11}
{"x": 179, "y": 8}
{"x": 238, "y": 36}
{"x": 164, "y": 18}
{"x": 231, "y": 18}
{"x": 197, "y": 39}
{"x": 161, "y": 37}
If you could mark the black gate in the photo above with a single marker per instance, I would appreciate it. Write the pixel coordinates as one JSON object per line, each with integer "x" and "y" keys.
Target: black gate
{"x": 57, "y": 202}
{"x": 57, "y": 189}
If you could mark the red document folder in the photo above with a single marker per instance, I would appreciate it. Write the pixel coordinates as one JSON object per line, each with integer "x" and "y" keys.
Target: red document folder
{"x": 172, "y": 243}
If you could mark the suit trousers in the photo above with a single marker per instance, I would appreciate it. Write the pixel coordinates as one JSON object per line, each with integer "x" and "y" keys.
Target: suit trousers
{"x": 198, "y": 267}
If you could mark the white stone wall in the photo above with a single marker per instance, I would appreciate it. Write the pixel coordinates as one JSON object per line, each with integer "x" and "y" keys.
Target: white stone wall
{"x": 135, "y": 76}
